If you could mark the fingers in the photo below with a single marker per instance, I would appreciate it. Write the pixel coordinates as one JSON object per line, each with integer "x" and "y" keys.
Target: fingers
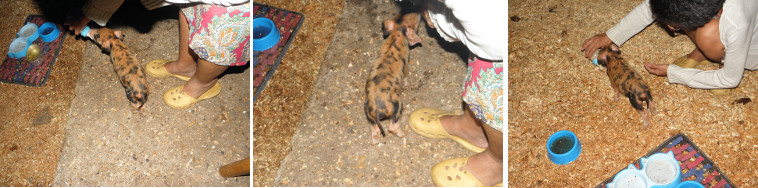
{"x": 595, "y": 42}
{"x": 656, "y": 69}
{"x": 587, "y": 43}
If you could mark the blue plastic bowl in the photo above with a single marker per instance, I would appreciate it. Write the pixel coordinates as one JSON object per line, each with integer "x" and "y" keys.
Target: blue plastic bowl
{"x": 265, "y": 34}
{"x": 690, "y": 184}
{"x": 28, "y": 32}
{"x": 48, "y": 31}
{"x": 566, "y": 145}
{"x": 18, "y": 48}
{"x": 629, "y": 177}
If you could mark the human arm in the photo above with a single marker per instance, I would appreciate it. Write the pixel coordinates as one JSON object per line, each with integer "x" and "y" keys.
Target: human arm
{"x": 99, "y": 11}
{"x": 634, "y": 22}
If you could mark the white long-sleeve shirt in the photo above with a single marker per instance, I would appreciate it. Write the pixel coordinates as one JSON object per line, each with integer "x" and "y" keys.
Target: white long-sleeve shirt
{"x": 737, "y": 28}
{"x": 479, "y": 25}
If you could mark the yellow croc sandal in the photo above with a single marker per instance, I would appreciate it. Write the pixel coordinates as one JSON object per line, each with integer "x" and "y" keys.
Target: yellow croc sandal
{"x": 721, "y": 92}
{"x": 448, "y": 173}
{"x": 426, "y": 122}
{"x": 704, "y": 62}
{"x": 177, "y": 99}
{"x": 156, "y": 68}
{"x": 685, "y": 62}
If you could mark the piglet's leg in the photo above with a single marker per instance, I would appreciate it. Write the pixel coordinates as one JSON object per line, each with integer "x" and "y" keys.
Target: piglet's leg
{"x": 645, "y": 118}
{"x": 375, "y": 134}
{"x": 395, "y": 129}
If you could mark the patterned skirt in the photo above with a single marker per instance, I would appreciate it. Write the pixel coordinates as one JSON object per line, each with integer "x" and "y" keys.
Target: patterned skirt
{"x": 218, "y": 34}
{"x": 483, "y": 92}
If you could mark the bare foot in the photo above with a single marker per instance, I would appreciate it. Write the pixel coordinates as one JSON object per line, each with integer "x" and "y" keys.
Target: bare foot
{"x": 466, "y": 128}
{"x": 181, "y": 67}
{"x": 485, "y": 168}
{"x": 194, "y": 88}
{"x": 696, "y": 55}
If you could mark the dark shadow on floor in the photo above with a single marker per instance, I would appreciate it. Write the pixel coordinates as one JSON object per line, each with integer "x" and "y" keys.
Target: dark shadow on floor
{"x": 131, "y": 13}
{"x": 235, "y": 70}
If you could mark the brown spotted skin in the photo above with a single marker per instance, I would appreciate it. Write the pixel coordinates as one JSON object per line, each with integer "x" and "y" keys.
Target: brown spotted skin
{"x": 130, "y": 73}
{"x": 385, "y": 84}
{"x": 628, "y": 83}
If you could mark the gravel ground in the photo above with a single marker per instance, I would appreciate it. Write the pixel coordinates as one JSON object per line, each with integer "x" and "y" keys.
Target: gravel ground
{"x": 107, "y": 144}
{"x": 552, "y": 87}
{"x": 331, "y": 145}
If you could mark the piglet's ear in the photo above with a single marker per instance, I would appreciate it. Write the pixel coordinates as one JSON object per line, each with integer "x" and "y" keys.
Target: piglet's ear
{"x": 119, "y": 34}
{"x": 413, "y": 39}
{"x": 615, "y": 48}
{"x": 388, "y": 26}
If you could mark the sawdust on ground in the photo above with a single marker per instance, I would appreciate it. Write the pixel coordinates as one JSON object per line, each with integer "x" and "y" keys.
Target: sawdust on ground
{"x": 553, "y": 87}
{"x": 28, "y": 151}
{"x": 277, "y": 110}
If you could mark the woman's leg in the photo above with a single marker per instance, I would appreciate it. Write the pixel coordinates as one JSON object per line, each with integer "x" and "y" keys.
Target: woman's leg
{"x": 696, "y": 54}
{"x": 204, "y": 78}
{"x": 466, "y": 127}
{"x": 707, "y": 42}
{"x": 187, "y": 62}
{"x": 487, "y": 166}
{"x": 203, "y": 74}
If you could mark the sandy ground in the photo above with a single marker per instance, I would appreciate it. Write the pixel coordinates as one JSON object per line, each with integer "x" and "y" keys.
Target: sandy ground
{"x": 99, "y": 141}
{"x": 28, "y": 151}
{"x": 552, "y": 87}
{"x": 331, "y": 144}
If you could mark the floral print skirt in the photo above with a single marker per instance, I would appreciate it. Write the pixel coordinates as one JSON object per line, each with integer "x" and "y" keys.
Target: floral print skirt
{"x": 483, "y": 92}
{"x": 218, "y": 34}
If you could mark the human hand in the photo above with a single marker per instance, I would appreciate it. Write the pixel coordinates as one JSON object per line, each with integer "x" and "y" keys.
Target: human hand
{"x": 77, "y": 25}
{"x": 595, "y": 42}
{"x": 657, "y": 69}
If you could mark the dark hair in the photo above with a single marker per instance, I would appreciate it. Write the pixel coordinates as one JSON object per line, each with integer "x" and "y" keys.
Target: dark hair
{"x": 687, "y": 14}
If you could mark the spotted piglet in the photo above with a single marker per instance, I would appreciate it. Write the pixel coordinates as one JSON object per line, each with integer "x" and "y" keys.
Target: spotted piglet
{"x": 385, "y": 83}
{"x": 627, "y": 82}
{"x": 130, "y": 73}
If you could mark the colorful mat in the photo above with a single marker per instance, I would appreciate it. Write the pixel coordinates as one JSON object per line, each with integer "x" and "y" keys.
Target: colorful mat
{"x": 695, "y": 165}
{"x": 265, "y": 62}
{"x": 20, "y": 71}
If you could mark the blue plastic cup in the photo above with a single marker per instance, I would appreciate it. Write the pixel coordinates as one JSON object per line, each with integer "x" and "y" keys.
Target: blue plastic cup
{"x": 48, "y": 31}
{"x": 563, "y": 147}
{"x": 18, "y": 47}
{"x": 28, "y": 32}
{"x": 265, "y": 34}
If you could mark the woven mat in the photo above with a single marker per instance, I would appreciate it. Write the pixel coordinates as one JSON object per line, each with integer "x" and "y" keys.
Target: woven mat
{"x": 265, "y": 62}
{"x": 20, "y": 71}
{"x": 695, "y": 165}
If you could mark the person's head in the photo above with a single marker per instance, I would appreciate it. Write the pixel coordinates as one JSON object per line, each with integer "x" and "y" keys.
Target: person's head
{"x": 686, "y": 14}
